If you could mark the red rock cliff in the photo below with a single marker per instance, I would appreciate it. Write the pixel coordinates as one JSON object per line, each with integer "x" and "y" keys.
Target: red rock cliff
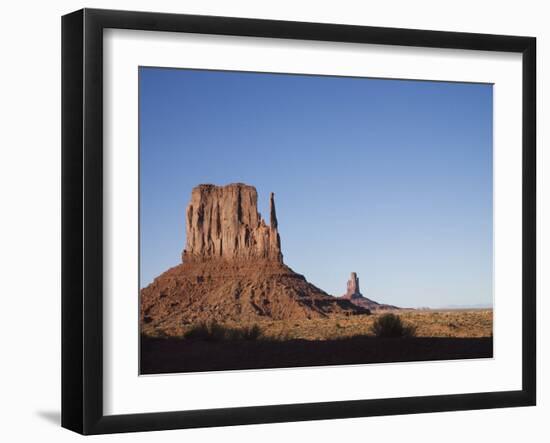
{"x": 223, "y": 222}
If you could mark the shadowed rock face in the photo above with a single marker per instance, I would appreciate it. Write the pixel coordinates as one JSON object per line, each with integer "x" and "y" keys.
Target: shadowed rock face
{"x": 223, "y": 222}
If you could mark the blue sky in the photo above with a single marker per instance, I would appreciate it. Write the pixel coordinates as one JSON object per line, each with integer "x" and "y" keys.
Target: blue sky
{"x": 391, "y": 179}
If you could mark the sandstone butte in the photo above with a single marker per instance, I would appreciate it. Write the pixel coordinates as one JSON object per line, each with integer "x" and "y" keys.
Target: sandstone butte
{"x": 353, "y": 294}
{"x": 232, "y": 270}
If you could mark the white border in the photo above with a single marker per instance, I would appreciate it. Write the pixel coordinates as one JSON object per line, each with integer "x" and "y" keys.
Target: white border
{"x": 126, "y": 392}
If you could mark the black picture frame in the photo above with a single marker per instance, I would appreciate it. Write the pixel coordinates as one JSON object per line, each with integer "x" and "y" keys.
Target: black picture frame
{"x": 82, "y": 216}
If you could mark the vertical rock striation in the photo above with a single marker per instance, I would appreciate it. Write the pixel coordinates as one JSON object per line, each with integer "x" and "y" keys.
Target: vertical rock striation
{"x": 223, "y": 222}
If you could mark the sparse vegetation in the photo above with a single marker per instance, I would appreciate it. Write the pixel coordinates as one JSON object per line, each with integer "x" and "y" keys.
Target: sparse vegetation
{"x": 391, "y": 326}
{"x": 428, "y": 323}
{"x": 251, "y": 333}
{"x": 213, "y": 331}
{"x": 440, "y": 335}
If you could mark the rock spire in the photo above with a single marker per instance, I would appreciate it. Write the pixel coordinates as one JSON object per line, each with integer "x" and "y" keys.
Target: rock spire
{"x": 272, "y": 214}
{"x": 353, "y": 287}
{"x": 353, "y": 294}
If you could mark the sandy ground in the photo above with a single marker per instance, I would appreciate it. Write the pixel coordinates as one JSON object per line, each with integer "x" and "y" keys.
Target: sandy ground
{"x": 428, "y": 323}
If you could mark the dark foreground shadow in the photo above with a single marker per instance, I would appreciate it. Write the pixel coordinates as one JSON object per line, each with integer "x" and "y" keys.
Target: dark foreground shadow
{"x": 168, "y": 355}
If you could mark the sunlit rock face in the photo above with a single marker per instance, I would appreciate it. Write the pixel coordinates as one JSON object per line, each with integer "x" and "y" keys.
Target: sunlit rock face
{"x": 353, "y": 287}
{"x": 224, "y": 222}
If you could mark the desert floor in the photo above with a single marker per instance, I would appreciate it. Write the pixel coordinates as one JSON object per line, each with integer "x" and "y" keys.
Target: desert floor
{"x": 440, "y": 335}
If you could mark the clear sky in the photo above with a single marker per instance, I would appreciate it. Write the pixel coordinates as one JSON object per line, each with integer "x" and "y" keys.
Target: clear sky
{"x": 391, "y": 179}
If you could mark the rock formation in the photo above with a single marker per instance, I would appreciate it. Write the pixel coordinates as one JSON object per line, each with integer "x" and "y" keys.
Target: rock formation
{"x": 353, "y": 294}
{"x": 232, "y": 270}
{"x": 353, "y": 287}
{"x": 223, "y": 222}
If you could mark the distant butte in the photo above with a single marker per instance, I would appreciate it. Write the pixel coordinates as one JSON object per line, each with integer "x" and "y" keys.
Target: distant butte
{"x": 232, "y": 269}
{"x": 353, "y": 294}
{"x": 353, "y": 287}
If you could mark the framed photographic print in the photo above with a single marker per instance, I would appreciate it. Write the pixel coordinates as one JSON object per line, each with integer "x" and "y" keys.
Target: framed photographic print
{"x": 269, "y": 221}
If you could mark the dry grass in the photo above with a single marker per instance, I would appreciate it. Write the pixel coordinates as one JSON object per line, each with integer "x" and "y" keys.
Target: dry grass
{"x": 426, "y": 323}
{"x": 217, "y": 332}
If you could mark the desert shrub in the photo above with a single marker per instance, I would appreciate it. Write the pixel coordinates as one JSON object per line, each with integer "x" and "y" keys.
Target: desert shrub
{"x": 203, "y": 331}
{"x": 391, "y": 325}
{"x": 251, "y": 333}
{"x": 213, "y": 331}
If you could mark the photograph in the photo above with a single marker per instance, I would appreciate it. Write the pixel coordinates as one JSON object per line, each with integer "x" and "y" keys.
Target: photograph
{"x": 297, "y": 220}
